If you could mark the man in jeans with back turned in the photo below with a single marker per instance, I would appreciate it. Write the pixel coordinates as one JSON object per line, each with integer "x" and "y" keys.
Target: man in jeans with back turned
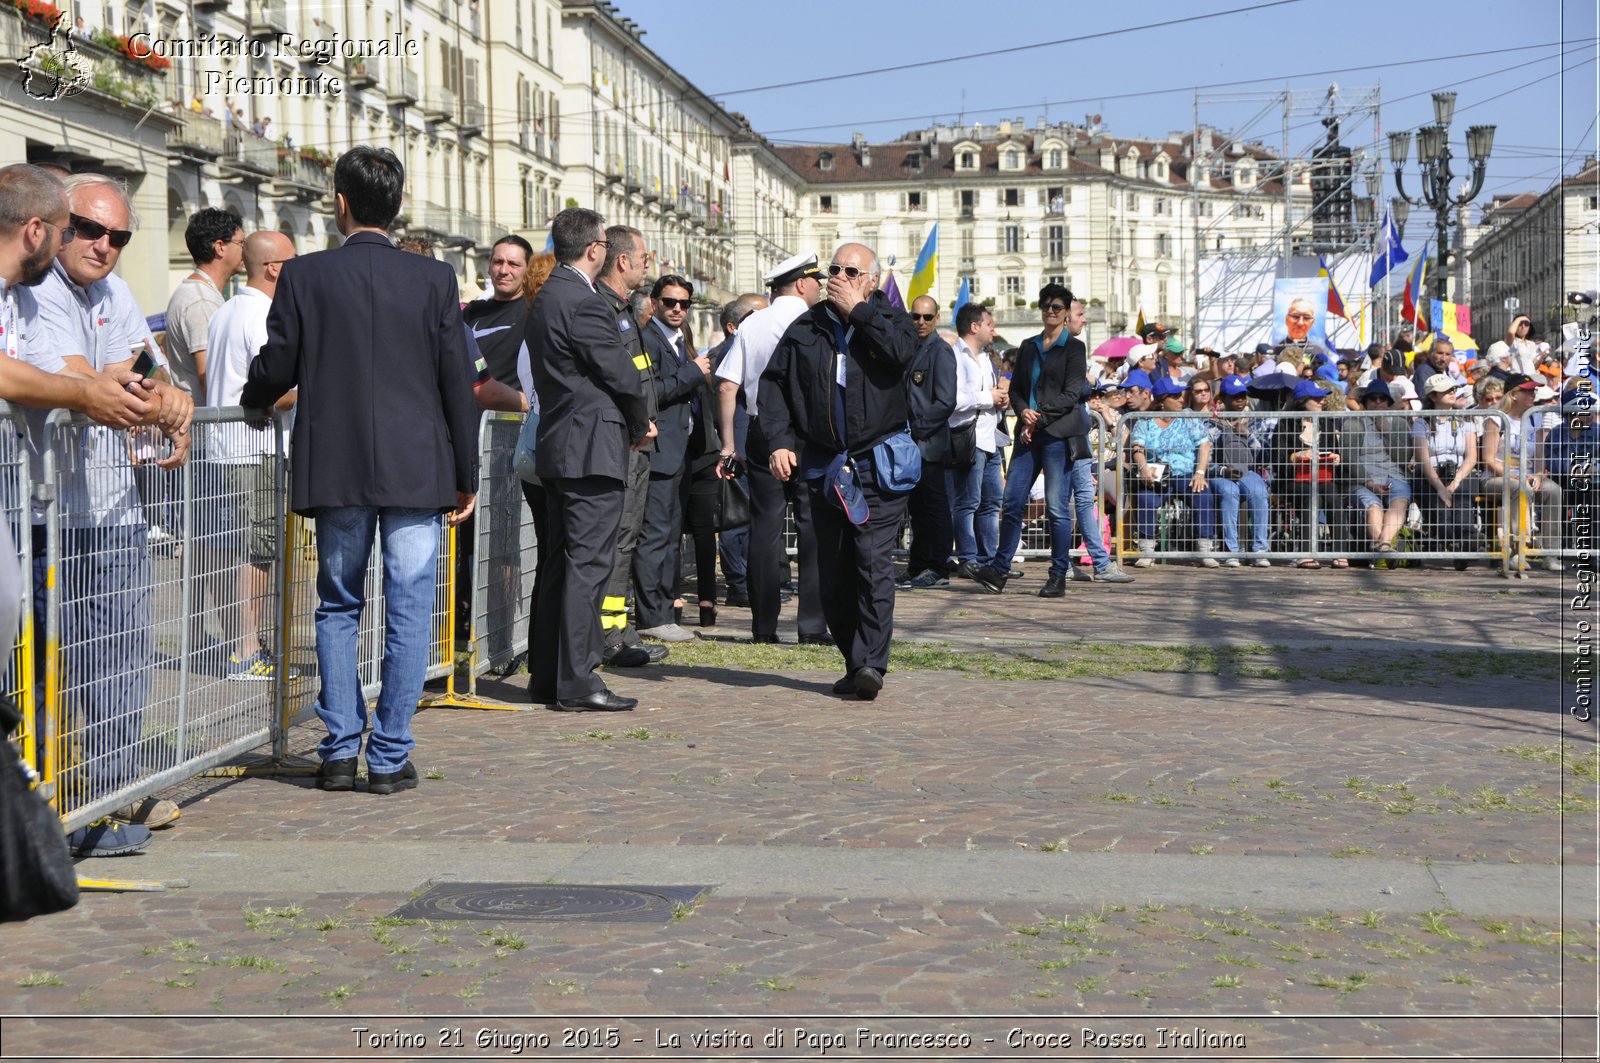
{"x": 385, "y": 440}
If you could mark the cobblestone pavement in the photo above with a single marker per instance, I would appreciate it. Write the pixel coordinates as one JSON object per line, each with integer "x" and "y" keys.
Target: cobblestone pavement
{"x": 1399, "y": 724}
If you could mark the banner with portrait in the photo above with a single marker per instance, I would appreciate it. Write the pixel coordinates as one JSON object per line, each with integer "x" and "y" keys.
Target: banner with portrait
{"x": 1300, "y": 312}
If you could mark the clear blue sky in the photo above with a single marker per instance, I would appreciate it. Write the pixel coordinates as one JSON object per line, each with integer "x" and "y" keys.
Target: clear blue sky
{"x": 1529, "y": 68}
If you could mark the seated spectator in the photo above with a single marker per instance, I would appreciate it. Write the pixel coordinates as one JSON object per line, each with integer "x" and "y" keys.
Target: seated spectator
{"x": 1171, "y": 455}
{"x": 1307, "y": 452}
{"x": 1199, "y": 396}
{"x": 1574, "y": 445}
{"x": 1446, "y": 451}
{"x": 1489, "y": 391}
{"x": 1384, "y": 493}
{"x": 1233, "y": 473}
{"x": 1514, "y": 462}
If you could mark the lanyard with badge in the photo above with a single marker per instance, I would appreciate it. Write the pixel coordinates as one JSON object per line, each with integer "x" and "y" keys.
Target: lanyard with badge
{"x": 8, "y": 323}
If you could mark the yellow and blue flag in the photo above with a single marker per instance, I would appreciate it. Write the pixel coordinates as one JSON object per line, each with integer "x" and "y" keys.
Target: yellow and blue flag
{"x": 922, "y": 279}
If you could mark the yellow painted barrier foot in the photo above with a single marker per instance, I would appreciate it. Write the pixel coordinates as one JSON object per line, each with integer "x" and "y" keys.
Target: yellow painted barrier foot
{"x": 449, "y": 699}
{"x": 117, "y": 885}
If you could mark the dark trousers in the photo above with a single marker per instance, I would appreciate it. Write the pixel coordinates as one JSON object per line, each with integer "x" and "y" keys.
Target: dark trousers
{"x": 768, "y": 502}
{"x": 933, "y": 531}
{"x": 584, "y": 515}
{"x": 539, "y": 508}
{"x": 615, "y": 604}
{"x": 655, "y": 560}
{"x": 734, "y": 546}
{"x": 857, "y": 571}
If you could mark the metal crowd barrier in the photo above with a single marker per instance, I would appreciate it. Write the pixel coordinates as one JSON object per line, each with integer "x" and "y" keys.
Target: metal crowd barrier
{"x": 142, "y": 608}
{"x": 16, "y": 495}
{"x": 1035, "y": 541}
{"x": 1560, "y": 451}
{"x": 1313, "y": 464}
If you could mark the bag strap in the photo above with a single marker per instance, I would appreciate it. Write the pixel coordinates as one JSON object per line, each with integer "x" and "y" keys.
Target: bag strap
{"x": 842, "y": 352}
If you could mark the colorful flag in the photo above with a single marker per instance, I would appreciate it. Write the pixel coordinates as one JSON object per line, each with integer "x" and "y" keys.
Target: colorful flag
{"x": 1138, "y": 326}
{"x": 963, "y": 297}
{"x": 1335, "y": 300}
{"x": 1410, "y": 307}
{"x": 922, "y": 278}
{"x": 1388, "y": 253}
{"x": 891, "y": 291}
{"x": 550, "y": 241}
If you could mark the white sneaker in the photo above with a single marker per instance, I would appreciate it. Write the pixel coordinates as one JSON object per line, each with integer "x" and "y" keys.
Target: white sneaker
{"x": 1230, "y": 562}
{"x": 1262, "y": 562}
{"x": 668, "y": 633}
{"x": 1554, "y": 564}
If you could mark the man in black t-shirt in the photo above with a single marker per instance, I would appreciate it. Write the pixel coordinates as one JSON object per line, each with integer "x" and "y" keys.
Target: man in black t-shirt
{"x": 498, "y": 322}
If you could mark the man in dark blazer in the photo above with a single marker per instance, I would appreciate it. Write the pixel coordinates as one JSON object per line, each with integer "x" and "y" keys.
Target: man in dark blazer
{"x": 930, "y": 400}
{"x": 592, "y": 411}
{"x": 385, "y": 440}
{"x": 680, "y": 377}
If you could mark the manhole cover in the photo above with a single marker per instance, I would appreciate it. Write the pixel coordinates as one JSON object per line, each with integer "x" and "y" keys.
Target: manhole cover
{"x": 499, "y": 901}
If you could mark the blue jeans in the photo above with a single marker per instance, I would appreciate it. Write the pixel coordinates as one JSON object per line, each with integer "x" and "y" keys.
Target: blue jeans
{"x": 1254, "y": 489}
{"x": 410, "y": 555}
{"x": 1049, "y": 455}
{"x": 976, "y": 496}
{"x": 1081, "y": 478}
{"x": 1146, "y": 500}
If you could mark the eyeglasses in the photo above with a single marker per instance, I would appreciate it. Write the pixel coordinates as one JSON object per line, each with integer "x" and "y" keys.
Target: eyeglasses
{"x": 674, "y": 304}
{"x": 834, "y": 269}
{"x": 1302, "y": 317}
{"x": 603, "y": 243}
{"x": 923, "y": 317}
{"x": 68, "y": 232}
{"x": 1052, "y": 308}
{"x": 93, "y": 230}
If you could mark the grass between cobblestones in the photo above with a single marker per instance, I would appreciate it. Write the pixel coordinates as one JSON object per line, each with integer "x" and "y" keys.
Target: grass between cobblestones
{"x": 1112, "y": 659}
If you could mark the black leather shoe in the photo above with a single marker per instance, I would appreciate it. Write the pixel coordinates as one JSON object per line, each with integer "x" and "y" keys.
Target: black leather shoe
{"x": 657, "y": 651}
{"x": 991, "y": 580}
{"x": 737, "y": 601}
{"x": 625, "y": 656}
{"x": 337, "y": 774}
{"x": 708, "y": 616}
{"x": 388, "y": 782}
{"x": 820, "y": 638}
{"x": 599, "y": 701}
{"x": 1054, "y": 587}
{"x": 768, "y": 640}
{"x": 1015, "y": 573}
{"x": 845, "y": 687}
{"x": 868, "y": 681}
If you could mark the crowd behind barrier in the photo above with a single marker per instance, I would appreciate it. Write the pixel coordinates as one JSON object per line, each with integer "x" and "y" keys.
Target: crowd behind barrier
{"x": 123, "y": 670}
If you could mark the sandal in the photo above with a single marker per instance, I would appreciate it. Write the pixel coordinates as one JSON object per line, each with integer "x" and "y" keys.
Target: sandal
{"x": 1308, "y": 562}
{"x": 1341, "y": 562}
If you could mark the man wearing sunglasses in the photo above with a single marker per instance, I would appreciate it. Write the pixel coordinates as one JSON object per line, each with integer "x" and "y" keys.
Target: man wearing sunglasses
{"x": 931, "y": 398}
{"x": 35, "y": 222}
{"x": 836, "y": 384}
{"x": 680, "y": 381}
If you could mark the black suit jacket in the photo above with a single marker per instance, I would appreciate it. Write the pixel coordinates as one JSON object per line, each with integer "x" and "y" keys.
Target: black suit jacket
{"x": 931, "y": 398}
{"x": 676, "y": 386}
{"x": 591, "y": 402}
{"x": 372, "y": 337}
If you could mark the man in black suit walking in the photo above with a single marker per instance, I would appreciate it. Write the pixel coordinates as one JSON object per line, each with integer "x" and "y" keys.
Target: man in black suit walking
{"x": 592, "y": 412}
{"x": 385, "y": 440}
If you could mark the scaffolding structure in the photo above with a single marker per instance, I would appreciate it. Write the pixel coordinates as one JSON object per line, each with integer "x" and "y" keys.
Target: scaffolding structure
{"x": 1233, "y": 286}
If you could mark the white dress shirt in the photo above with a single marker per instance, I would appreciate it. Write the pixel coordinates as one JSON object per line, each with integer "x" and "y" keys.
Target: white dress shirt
{"x": 754, "y": 343}
{"x": 975, "y": 384}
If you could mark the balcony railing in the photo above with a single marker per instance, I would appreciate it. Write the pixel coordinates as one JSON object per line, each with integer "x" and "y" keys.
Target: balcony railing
{"x": 305, "y": 177}
{"x": 268, "y": 18}
{"x": 472, "y": 117}
{"x": 402, "y": 83}
{"x": 613, "y": 167}
{"x": 470, "y": 228}
{"x": 252, "y": 154}
{"x": 363, "y": 73}
{"x": 631, "y": 178}
{"x": 197, "y": 135}
{"x": 439, "y": 105}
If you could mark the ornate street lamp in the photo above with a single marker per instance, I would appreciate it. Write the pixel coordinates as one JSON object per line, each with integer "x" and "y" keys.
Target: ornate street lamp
{"x": 1433, "y": 156}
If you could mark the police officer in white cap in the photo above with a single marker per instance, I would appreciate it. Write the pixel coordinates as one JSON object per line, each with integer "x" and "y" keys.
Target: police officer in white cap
{"x": 796, "y": 286}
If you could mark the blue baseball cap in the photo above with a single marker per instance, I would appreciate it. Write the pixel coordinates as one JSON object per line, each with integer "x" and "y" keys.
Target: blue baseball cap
{"x": 1377, "y": 389}
{"x": 1310, "y": 389}
{"x": 1166, "y": 386}
{"x": 1234, "y": 385}
{"x": 1137, "y": 379}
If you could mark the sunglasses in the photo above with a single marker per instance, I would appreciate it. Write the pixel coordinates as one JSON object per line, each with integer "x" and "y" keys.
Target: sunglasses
{"x": 851, "y": 272}
{"x": 69, "y": 232}
{"x": 675, "y": 304}
{"x": 93, "y": 230}
{"x": 923, "y": 317}
{"x": 1053, "y": 308}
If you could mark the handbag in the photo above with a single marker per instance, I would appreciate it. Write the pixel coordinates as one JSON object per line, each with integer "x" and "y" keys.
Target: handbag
{"x": 715, "y": 505}
{"x": 522, "y": 459}
{"x": 964, "y": 445}
{"x": 1068, "y": 425}
{"x": 897, "y": 463}
{"x": 36, "y": 875}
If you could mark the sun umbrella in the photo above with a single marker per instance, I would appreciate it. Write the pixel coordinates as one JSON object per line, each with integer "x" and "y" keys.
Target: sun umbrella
{"x": 1116, "y": 347}
{"x": 1273, "y": 382}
